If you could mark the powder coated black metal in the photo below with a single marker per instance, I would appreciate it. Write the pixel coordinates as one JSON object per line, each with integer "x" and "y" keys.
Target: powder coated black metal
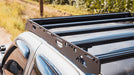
{"x": 81, "y": 23}
{"x": 116, "y": 55}
{"x": 105, "y": 40}
{"x": 54, "y": 20}
{"x": 73, "y": 51}
{"x": 91, "y": 30}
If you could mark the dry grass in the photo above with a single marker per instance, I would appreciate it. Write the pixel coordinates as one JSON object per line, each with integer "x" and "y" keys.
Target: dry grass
{"x": 10, "y": 18}
{"x": 13, "y": 16}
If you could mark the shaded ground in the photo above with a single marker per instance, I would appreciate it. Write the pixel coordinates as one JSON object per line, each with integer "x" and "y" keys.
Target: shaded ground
{"x": 4, "y": 36}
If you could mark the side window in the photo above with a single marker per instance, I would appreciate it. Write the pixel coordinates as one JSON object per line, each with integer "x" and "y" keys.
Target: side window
{"x": 13, "y": 67}
{"x": 42, "y": 67}
{"x": 17, "y": 60}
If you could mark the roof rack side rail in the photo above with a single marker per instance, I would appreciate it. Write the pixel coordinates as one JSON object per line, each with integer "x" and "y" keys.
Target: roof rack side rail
{"x": 75, "y": 54}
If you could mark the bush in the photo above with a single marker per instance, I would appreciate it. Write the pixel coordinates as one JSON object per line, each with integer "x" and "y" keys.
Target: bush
{"x": 108, "y": 6}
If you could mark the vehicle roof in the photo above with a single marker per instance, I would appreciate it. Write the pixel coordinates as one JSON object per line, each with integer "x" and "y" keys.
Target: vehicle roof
{"x": 65, "y": 66}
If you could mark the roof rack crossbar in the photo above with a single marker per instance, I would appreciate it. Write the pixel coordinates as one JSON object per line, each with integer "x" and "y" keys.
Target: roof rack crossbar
{"x": 49, "y": 26}
{"x": 91, "y": 30}
{"x": 81, "y": 18}
{"x": 104, "y": 40}
{"x": 115, "y": 56}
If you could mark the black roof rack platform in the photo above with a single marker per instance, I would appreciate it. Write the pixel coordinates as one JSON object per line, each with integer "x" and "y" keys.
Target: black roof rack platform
{"x": 76, "y": 51}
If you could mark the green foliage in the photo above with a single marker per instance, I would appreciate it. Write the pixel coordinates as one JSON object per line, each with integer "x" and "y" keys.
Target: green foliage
{"x": 109, "y": 6}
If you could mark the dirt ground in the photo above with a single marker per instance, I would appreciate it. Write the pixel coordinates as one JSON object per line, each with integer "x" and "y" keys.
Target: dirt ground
{"x": 50, "y": 10}
{"x": 4, "y": 36}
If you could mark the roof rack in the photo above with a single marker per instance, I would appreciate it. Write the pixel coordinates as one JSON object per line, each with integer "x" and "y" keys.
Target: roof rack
{"x": 76, "y": 51}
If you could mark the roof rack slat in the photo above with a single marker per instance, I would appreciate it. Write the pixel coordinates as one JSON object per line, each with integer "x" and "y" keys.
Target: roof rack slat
{"x": 116, "y": 55}
{"x": 91, "y": 30}
{"x": 105, "y": 40}
{"x": 49, "y": 26}
{"x": 81, "y": 18}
